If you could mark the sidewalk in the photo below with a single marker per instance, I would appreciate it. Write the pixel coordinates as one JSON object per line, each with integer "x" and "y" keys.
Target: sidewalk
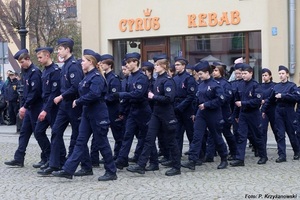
{"x": 206, "y": 182}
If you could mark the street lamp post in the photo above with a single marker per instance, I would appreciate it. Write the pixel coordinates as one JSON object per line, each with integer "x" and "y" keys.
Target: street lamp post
{"x": 23, "y": 31}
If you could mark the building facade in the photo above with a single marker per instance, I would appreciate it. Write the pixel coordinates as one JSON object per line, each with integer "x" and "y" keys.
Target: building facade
{"x": 214, "y": 30}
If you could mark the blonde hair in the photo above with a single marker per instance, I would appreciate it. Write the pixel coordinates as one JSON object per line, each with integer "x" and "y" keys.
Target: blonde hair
{"x": 95, "y": 63}
{"x": 163, "y": 63}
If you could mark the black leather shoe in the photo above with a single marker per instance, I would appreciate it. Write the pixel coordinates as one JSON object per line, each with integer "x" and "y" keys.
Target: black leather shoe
{"x": 45, "y": 166}
{"x": 168, "y": 163}
{"x": 173, "y": 172}
{"x": 14, "y": 163}
{"x": 136, "y": 169}
{"x": 187, "y": 153}
{"x": 133, "y": 159}
{"x": 207, "y": 159}
{"x": 121, "y": 165}
{"x": 62, "y": 174}
{"x": 222, "y": 165}
{"x": 152, "y": 167}
{"x": 188, "y": 164}
{"x": 231, "y": 157}
{"x": 48, "y": 171}
{"x": 262, "y": 161}
{"x": 296, "y": 156}
{"x": 198, "y": 162}
{"x": 108, "y": 177}
{"x": 280, "y": 160}
{"x": 163, "y": 159}
{"x": 39, "y": 164}
{"x": 237, "y": 163}
{"x": 83, "y": 172}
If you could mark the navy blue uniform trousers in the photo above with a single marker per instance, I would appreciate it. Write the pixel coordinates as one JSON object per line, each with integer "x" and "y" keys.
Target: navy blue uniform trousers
{"x": 26, "y": 131}
{"x": 66, "y": 114}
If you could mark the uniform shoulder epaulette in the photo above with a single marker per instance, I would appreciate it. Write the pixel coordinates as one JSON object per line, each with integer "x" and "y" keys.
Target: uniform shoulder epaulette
{"x": 116, "y": 76}
{"x": 97, "y": 73}
{"x": 33, "y": 70}
{"x": 74, "y": 61}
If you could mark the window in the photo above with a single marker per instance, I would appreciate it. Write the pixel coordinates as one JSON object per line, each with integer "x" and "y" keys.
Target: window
{"x": 203, "y": 43}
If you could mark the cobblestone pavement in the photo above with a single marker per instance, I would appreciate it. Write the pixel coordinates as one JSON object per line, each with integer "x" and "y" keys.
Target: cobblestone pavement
{"x": 206, "y": 182}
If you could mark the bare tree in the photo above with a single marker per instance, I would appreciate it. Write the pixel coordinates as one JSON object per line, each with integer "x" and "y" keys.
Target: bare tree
{"x": 46, "y": 21}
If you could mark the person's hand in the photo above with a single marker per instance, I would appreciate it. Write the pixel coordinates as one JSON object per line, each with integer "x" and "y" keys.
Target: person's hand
{"x": 22, "y": 112}
{"x": 201, "y": 106}
{"x": 193, "y": 118}
{"x": 58, "y": 99}
{"x": 238, "y": 103}
{"x": 74, "y": 104}
{"x": 42, "y": 116}
{"x": 278, "y": 96}
{"x": 150, "y": 95}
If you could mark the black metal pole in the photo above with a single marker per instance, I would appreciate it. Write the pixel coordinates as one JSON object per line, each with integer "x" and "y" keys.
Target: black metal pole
{"x": 23, "y": 31}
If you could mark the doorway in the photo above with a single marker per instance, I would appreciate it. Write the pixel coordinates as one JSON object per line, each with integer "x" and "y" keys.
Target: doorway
{"x": 153, "y": 46}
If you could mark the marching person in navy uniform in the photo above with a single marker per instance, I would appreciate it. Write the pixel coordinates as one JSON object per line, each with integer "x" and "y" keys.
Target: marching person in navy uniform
{"x": 234, "y": 86}
{"x": 70, "y": 76}
{"x": 124, "y": 104}
{"x": 183, "y": 104}
{"x": 267, "y": 88}
{"x": 285, "y": 94}
{"x": 147, "y": 69}
{"x": 113, "y": 103}
{"x": 95, "y": 120}
{"x": 209, "y": 116}
{"x": 248, "y": 100}
{"x": 218, "y": 74}
{"x": 140, "y": 111}
{"x": 50, "y": 89}
{"x": 30, "y": 106}
{"x": 163, "y": 120}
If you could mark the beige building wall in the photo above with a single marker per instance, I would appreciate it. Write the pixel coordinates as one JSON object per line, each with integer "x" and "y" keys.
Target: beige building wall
{"x": 100, "y": 23}
{"x": 90, "y": 24}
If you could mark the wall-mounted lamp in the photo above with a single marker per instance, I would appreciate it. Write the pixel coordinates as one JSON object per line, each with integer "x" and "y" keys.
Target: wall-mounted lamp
{"x": 132, "y": 44}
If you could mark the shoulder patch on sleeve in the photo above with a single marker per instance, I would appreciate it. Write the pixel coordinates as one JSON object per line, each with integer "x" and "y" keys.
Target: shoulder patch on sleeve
{"x": 258, "y": 96}
{"x": 72, "y": 75}
{"x": 139, "y": 86}
{"x": 168, "y": 89}
{"x": 192, "y": 89}
{"x": 54, "y": 84}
